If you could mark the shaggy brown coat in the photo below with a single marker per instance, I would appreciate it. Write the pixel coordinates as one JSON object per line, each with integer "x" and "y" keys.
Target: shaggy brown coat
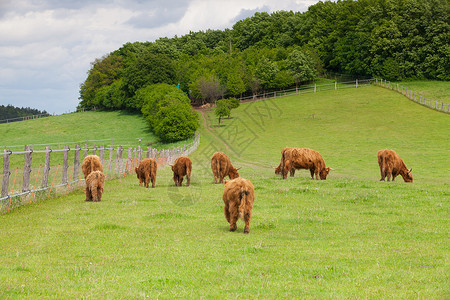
{"x": 94, "y": 186}
{"x": 392, "y": 165}
{"x": 91, "y": 163}
{"x": 286, "y": 152}
{"x": 182, "y": 167}
{"x": 221, "y": 167}
{"x": 146, "y": 172}
{"x": 303, "y": 158}
{"x": 238, "y": 196}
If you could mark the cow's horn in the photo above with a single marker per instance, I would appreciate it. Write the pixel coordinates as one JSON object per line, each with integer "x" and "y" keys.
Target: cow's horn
{"x": 410, "y": 170}
{"x": 239, "y": 168}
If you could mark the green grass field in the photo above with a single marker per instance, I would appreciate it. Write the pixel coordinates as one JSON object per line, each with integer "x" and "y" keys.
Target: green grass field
{"x": 350, "y": 236}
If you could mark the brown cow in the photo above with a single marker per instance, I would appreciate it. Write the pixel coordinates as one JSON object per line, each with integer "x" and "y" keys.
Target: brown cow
{"x": 303, "y": 158}
{"x": 392, "y": 165}
{"x": 181, "y": 167}
{"x": 94, "y": 186}
{"x": 238, "y": 196}
{"x": 91, "y": 163}
{"x": 146, "y": 171}
{"x": 284, "y": 153}
{"x": 221, "y": 166}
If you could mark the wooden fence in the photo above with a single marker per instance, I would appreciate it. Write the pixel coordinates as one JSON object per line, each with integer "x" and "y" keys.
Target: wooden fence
{"x": 433, "y": 104}
{"x": 56, "y": 172}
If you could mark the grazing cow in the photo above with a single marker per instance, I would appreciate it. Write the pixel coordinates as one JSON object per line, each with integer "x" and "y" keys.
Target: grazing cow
{"x": 392, "y": 165}
{"x": 91, "y": 163}
{"x": 285, "y": 153}
{"x": 181, "y": 167}
{"x": 146, "y": 171}
{"x": 221, "y": 166}
{"x": 303, "y": 158}
{"x": 94, "y": 186}
{"x": 238, "y": 196}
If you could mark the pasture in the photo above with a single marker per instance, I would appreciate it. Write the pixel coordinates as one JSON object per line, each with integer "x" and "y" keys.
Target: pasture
{"x": 350, "y": 236}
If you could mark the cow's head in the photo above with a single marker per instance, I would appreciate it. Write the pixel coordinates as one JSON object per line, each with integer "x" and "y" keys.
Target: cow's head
{"x": 324, "y": 173}
{"x": 278, "y": 170}
{"x": 233, "y": 173}
{"x": 408, "y": 176}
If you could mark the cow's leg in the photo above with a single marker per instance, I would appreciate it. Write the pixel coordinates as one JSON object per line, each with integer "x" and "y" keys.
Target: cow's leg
{"x": 94, "y": 194}
{"x": 153, "y": 178}
{"x": 247, "y": 217}
{"x": 188, "y": 179}
{"x": 383, "y": 174}
{"x": 175, "y": 179}
{"x": 147, "y": 180}
{"x": 88, "y": 194}
{"x": 99, "y": 194}
{"x": 140, "y": 181}
{"x": 312, "y": 173}
{"x": 234, "y": 214}
{"x": 292, "y": 172}
{"x": 180, "y": 180}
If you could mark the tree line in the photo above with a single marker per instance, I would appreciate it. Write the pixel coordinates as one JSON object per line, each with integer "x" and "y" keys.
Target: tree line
{"x": 10, "y": 112}
{"x": 393, "y": 39}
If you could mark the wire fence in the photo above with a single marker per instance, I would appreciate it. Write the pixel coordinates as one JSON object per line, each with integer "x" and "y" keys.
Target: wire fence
{"x": 309, "y": 89}
{"x": 29, "y": 176}
{"x": 428, "y": 102}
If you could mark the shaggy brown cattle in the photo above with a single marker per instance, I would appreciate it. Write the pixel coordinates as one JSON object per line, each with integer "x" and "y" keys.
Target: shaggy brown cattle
{"x": 238, "y": 196}
{"x": 303, "y": 158}
{"x": 221, "y": 166}
{"x": 94, "y": 186}
{"x": 286, "y": 152}
{"x": 181, "y": 167}
{"x": 146, "y": 171}
{"x": 91, "y": 163}
{"x": 392, "y": 165}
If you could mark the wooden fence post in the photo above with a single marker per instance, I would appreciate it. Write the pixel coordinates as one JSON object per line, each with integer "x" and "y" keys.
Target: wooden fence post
{"x": 46, "y": 166}
{"x": 102, "y": 154}
{"x": 139, "y": 153}
{"x": 65, "y": 164}
{"x": 26, "y": 169}
{"x": 86, "y": 148}
{"x": 76, "y": 163}
{"x": 111, "y": 153}
{"x": 6, "y": 173}
{"x": 94, "y": 149}
{"x": 129, "y": 159}
{"x": 119, "y": 160}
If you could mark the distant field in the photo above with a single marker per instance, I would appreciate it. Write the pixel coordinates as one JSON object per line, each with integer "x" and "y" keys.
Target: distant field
{"x": 98, "y": 127}
{"x": 350, "y": 236}
{"x": 437, "y": 90}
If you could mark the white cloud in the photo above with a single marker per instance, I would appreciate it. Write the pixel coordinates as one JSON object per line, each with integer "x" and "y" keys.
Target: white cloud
{"x": 47, "y": 45}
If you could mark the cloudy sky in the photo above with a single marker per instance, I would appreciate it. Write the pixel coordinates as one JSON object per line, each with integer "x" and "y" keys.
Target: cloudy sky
{"x": 46, "y": 46}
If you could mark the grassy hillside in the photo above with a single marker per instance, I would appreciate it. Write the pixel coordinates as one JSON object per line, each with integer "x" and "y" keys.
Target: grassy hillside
{"x": 99, "y": 127}
{"x": 350, "y": 236}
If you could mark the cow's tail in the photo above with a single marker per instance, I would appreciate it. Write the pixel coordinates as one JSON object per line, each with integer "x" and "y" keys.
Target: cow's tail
{"x": 243, "y": 197}
{"x": 218, "y": 168}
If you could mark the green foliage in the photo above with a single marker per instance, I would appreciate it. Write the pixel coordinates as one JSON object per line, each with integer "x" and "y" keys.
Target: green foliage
{"x": 222, "y": 109}
{"x": 301, "y": 67}
{"x": 9, "y": 112}
{"x": 148, "y": 68}
{"x": 167, "y": 111}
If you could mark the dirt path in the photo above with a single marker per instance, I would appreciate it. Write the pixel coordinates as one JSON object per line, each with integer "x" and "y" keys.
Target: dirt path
{"x": 207, "y": 124}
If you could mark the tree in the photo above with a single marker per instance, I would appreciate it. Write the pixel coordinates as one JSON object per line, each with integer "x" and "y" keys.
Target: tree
{"x": 301, "y": 67}
{"x": 148, "y": 68}
{"x": 232, "y": 103}
{"x": 209, "y": 88}
{"x": 222, "y": 109}
{"x": 266, "y": 72}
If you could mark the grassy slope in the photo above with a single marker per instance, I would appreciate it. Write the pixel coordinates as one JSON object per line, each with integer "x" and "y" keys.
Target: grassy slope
{"x": 98, "y": 127}
{"x": 437, "y": 90}
{"x": 350, "y": 236}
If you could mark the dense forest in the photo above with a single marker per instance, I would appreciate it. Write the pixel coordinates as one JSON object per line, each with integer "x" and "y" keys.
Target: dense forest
{"x": 392, "y": 39}
{"x": 11, "y": 112}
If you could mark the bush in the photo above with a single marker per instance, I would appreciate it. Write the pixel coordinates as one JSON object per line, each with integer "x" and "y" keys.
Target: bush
{"x": 167, "y": 111}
